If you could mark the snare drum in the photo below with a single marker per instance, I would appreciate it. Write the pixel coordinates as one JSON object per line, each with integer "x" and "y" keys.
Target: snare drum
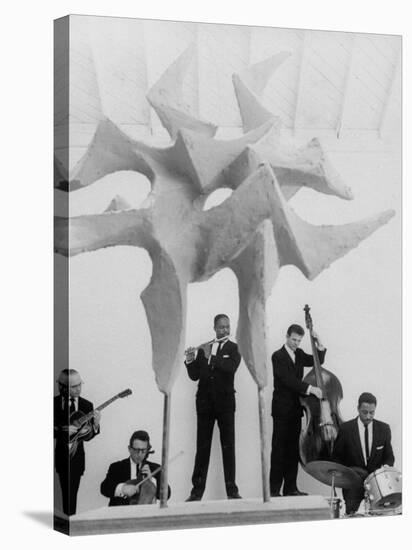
{"x": 384, "y": 489}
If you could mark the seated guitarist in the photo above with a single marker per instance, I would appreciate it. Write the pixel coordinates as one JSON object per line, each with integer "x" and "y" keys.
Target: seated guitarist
{"x": 122, "y": 479}
{"x": 71, "y": 468}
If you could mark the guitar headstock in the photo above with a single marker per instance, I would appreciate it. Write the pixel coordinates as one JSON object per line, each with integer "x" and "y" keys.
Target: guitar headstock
{"x": 125, "y": 393}
{"x": 308, "y": 318}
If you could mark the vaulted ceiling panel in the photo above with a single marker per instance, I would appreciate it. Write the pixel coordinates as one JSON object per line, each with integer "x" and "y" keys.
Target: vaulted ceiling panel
{"x": 281, "y": 92}
{"x": 375, "y": 57}
{"x": 61, "y": 75}
{"x": 178, "y": 37}
{"x": 223, "y": 50}
{"x": 118, "y": 50}
{"x": 85, "y": 101}
{"x": 323, "y": 80}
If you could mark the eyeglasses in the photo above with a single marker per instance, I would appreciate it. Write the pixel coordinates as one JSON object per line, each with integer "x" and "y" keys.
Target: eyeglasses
{"x": 137, "y": 451}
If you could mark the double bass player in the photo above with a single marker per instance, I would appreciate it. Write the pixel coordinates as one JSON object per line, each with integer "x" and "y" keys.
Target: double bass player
{"x": 288, "y": 364}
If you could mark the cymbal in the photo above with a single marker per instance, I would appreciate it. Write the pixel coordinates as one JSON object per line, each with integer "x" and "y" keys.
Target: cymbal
{"x": 325, "y": 471}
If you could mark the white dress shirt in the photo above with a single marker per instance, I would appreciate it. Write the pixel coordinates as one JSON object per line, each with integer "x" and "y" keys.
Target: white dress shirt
{"x": 361, "y": 428}
{"x": 215, "y": 345}
{"x": 133, "y": 475}
{"x": 292, "y": 355}
{"x": 75, "y": 402}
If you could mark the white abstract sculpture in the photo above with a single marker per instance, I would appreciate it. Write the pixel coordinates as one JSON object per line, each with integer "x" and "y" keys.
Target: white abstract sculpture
{"x": 254, "y": 232}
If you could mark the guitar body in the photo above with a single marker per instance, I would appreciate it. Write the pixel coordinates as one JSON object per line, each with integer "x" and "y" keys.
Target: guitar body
{"x": 85, "y": 428}
{"x": 84, "y": 423}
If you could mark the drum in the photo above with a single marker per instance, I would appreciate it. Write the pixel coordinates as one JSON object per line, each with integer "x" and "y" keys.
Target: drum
{"x": 384, "y": 489}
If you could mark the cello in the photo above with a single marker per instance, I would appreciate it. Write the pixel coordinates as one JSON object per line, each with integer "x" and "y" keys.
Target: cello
{"x": 322, "y": 415}
{"x": 147, "y": 492}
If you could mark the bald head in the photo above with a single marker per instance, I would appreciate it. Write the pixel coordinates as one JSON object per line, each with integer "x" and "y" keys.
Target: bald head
{"x": 70, "y": 383}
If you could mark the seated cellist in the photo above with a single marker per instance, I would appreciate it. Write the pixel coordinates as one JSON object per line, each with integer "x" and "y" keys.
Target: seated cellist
{"x": 122, "y": 484}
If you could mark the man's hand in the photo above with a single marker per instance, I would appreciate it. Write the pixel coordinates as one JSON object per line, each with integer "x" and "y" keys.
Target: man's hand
{"x": 190, "y": 354}
{"x": 72, "y": 429}
{"x": 145, "y": 471}
{"x": 317, "y": 392}
{"x": 129, "y": 490}
{"x": 318, "y": 342}
{"x": 97, "y": 416}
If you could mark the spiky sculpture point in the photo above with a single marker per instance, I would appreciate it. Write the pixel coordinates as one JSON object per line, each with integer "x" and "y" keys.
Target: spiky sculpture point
{"x": 254, "y": 232}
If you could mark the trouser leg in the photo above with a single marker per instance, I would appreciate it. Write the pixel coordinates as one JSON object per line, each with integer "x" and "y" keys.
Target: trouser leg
{"x": 205, "y": 423}
{"x": 70, "y": 486}
{"x": 277, "y": 457}
{"x": 291, "y": 455}
{"x": 226, "y": 423}
{"x": 354, "y": 496}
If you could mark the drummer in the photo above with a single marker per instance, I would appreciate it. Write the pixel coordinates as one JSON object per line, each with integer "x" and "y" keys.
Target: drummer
{"x": 363, "y": 444}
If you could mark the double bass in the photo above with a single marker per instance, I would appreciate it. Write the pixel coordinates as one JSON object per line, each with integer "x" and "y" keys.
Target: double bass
{"x": 322, "y": 415}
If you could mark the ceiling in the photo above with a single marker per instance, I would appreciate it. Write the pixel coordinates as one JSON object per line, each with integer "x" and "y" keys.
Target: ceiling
{"x": 332, "y": 81}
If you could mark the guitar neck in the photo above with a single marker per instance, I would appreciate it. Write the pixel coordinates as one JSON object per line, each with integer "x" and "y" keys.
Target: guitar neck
{"x": 89, "y": 415}
{"x": 107, "y": 403}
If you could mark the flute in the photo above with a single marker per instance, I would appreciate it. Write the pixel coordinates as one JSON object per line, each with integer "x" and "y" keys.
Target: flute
{"x": 192, "y": 350}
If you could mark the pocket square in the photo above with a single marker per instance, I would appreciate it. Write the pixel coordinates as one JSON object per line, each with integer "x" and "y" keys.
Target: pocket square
{"x": 226, "y": 357}
{"x": 379, "y": 448}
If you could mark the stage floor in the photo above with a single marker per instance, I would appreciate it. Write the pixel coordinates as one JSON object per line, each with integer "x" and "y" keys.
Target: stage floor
{"x": 186, "y": 515}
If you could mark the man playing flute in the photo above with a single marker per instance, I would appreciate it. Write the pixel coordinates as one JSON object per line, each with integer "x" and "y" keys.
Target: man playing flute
{"x": 214, "y": 365}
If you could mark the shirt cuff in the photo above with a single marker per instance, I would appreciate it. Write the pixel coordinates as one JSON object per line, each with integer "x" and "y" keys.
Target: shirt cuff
{"x": 118, "y": 492}
{"x": 308, "y": 389}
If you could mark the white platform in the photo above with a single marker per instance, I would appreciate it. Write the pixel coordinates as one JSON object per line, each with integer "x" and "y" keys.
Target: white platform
{"x": 184, "y": 515}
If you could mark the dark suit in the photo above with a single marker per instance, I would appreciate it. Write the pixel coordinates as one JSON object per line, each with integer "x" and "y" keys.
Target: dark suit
{"x": 215, "y": 401}
{"x": 119, "y": 472}
{"x": 69, "y": 470}
{"x": 348, "y": 451}
{"x": 287, "y": 412}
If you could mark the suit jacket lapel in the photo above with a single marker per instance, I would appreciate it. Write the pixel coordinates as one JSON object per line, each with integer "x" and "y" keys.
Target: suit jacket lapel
{"x": 222, "y": 346}
{"x": 374, "y": 440}
{"x": 358, "y": 441}
{"x": 289, "y": 358}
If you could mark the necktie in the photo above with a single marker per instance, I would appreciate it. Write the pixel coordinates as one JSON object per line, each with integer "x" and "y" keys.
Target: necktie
{"x": 213, "y": 357}
{"x": 367, "y": 443}
{"x": 72, "y": 405}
